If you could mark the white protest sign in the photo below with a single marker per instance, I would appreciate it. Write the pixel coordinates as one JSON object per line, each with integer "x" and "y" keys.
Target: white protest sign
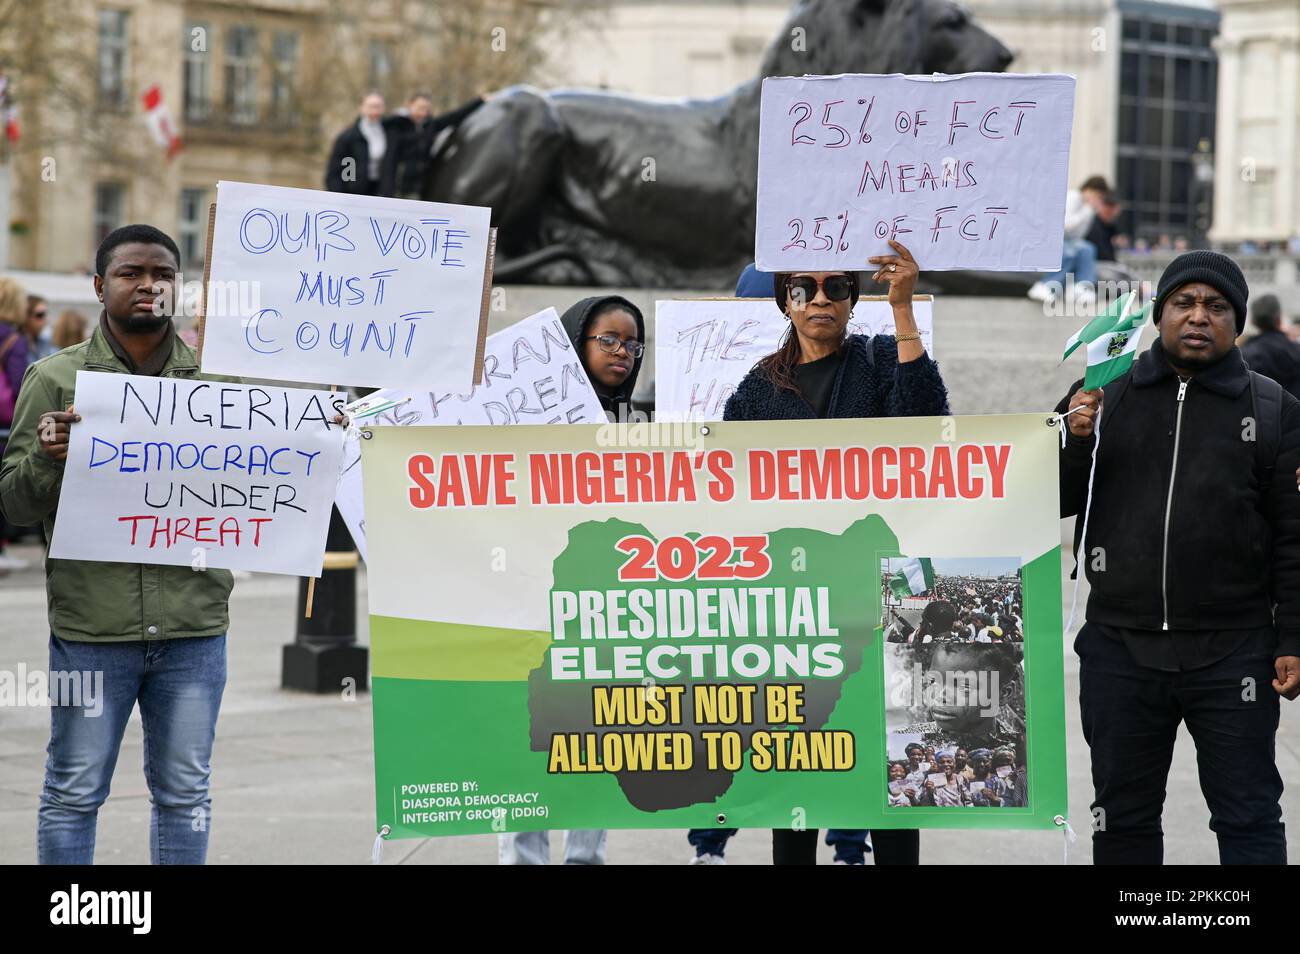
{"x": 199, "y": 473}
{"x": 531, "y": 375}
{"x": 704, "y": 348}
{"x": 351, "y": 290}
{"x": 967, "y": 171}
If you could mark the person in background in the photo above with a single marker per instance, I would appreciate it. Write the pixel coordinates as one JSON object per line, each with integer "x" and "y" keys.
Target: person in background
{"x": 13, "y": 365}
{"x": 1104, "y": 228}
{"x": 364, "y": 158}
{"x": 418, "y": 129}
{"x": 39, "y": 344}
{"x": 1078, "y": 255}
{"x": 69, "y": 329}
{"x": 821, "y": 371}
{"x": 1271, "y": 352}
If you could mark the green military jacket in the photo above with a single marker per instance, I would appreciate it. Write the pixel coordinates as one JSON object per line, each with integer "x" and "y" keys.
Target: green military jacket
{"x": 90, "y": 600}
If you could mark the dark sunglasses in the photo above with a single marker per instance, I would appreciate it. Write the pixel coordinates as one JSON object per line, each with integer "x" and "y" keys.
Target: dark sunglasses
{"x": 611, "y": 344}
{"x": 803, "y": 288}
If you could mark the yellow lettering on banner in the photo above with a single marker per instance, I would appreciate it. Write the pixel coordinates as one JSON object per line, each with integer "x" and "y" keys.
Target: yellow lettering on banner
{"x": 724, "y": 705}
{"x": 797, "y": 751}
{"x": 637, "y": 705}
{"x": 573, "y": 753}
{"x": 784, "y": 700}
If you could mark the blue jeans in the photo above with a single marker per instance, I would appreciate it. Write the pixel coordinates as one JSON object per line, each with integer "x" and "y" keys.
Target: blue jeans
{"x": 178, "y": 683}
{"x": 581, "y": 847}
{"x": 1079, "y": 258}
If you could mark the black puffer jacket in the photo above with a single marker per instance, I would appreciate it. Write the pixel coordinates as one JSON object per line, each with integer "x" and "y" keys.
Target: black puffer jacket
{"x": 871, "y": 383}
{"x": 1231, "y": 547}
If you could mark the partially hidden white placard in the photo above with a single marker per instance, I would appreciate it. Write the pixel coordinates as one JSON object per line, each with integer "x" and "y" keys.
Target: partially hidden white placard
{"x": 531, "y": 375}
{"x": 199, "y": 473}
{"x": 967, "y": 171}
{"x": 344, "y": 289}
{"x": 704, "y": 348}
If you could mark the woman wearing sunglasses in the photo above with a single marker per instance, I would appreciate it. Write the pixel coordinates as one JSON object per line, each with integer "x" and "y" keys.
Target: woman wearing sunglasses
{"x": 821, "y": 371}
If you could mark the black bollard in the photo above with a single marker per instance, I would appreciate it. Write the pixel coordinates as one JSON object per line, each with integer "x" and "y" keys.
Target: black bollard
{"x": 324, "y": 653}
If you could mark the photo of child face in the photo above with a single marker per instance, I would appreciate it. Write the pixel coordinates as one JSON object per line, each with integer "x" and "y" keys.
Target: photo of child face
{"x": 897, "y": 772}
{"x": 965, "y": 695}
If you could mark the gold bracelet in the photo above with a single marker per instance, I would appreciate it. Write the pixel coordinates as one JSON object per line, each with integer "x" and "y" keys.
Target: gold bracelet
{"x": 912, "y": 336}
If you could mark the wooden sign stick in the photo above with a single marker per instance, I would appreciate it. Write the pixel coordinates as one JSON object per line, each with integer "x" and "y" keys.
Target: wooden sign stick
{"x": 207, "y": 275}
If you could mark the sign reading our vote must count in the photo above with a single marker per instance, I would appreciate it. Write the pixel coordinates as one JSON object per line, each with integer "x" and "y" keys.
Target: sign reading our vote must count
{"x": 353, "y": 290}
{"x": 967, "y": 171}
{"x": 160, "y": 469}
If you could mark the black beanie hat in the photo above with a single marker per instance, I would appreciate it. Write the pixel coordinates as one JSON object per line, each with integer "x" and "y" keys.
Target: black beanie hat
{"x": 1216, "y": 270}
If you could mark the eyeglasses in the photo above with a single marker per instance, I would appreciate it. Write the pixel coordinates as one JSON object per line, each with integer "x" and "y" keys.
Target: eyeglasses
{"x": 612, "y": 343}
{"x": 803, "y": 288}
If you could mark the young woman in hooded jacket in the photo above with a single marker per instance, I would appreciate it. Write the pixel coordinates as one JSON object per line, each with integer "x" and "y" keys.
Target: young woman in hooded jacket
{"x": 609, "y": 333}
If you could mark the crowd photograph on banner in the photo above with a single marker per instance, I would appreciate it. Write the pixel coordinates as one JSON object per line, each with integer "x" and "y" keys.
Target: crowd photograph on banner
{"x": 955, "y": 714}
{"x": 518, "y": 432}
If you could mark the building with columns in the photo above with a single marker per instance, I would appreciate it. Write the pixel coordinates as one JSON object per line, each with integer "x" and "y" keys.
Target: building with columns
{"x": 1256, "y": 197}
{"x": 1144, "y": 113}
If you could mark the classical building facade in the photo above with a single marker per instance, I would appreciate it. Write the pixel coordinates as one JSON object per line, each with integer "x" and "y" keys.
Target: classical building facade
{"x": 1256, "y": 196}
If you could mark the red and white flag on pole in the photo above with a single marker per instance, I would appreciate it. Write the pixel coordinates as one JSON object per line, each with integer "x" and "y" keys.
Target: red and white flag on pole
{"x": 8, "y": 111}
{"x": 159, "y": 118}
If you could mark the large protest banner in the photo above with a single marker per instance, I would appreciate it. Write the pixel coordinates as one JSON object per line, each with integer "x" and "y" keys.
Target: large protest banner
{"x": 967, "y": 171}
{"x": 199, "y": 473}
{"x": 588, "y": 627}
{"x": 532, "y": 374}
{"x": 705, "y": 347}
{"x": 346, "y": 289}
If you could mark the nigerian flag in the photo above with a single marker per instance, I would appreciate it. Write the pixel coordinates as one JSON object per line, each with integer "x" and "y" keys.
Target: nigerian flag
{"x": 1112, "y": 340}
{"x": 914, "y": 578}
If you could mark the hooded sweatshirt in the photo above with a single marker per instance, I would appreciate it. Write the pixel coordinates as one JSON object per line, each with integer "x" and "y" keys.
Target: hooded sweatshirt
{"x": 576, "y": 320}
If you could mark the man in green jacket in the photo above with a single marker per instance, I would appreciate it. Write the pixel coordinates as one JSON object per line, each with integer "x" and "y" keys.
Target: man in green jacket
{"x": 155, "y": 633}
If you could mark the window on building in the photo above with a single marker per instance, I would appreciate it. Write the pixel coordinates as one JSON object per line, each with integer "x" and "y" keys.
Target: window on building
{"x": 197, "y": 75}
{"x": 193, "y": 228}
{"x": 113, "y": 64}
{"x": 241, "y": 75}
{"x": 381, "y": 65}
{"x": 110, "y": 206}
{"x": 284, "y": 66}
{"x": 1166, "y": 107}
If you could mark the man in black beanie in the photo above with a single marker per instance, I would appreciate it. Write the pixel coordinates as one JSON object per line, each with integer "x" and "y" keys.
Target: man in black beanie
{"x": 1271, "y": 352}
{"x": 1193, "y": 557}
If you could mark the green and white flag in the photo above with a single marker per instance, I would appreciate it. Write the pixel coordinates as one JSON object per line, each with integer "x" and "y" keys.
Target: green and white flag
{"x": 1112, "y": 341}
{"x": 1102, "y": 324}
{"x": 1111, "y": 355}
{"x": 914, "y": 578}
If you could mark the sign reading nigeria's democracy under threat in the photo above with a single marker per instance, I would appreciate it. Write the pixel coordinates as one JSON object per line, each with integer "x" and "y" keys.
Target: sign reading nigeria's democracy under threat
{"x": 605, "y": 626}
{"x": 346, "y": 289}
{"x": 967, "y": 171}
{"x": 199, "y": 473}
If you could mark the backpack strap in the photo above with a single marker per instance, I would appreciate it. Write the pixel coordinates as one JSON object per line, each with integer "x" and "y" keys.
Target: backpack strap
{"x": 1266, "y": 408}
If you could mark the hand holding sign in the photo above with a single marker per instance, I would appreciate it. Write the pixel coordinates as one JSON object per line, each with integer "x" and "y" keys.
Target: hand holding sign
{"x": 55, "y": 430}
{"x": 970, "y": 171}
{"x": 899, "y": 271}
